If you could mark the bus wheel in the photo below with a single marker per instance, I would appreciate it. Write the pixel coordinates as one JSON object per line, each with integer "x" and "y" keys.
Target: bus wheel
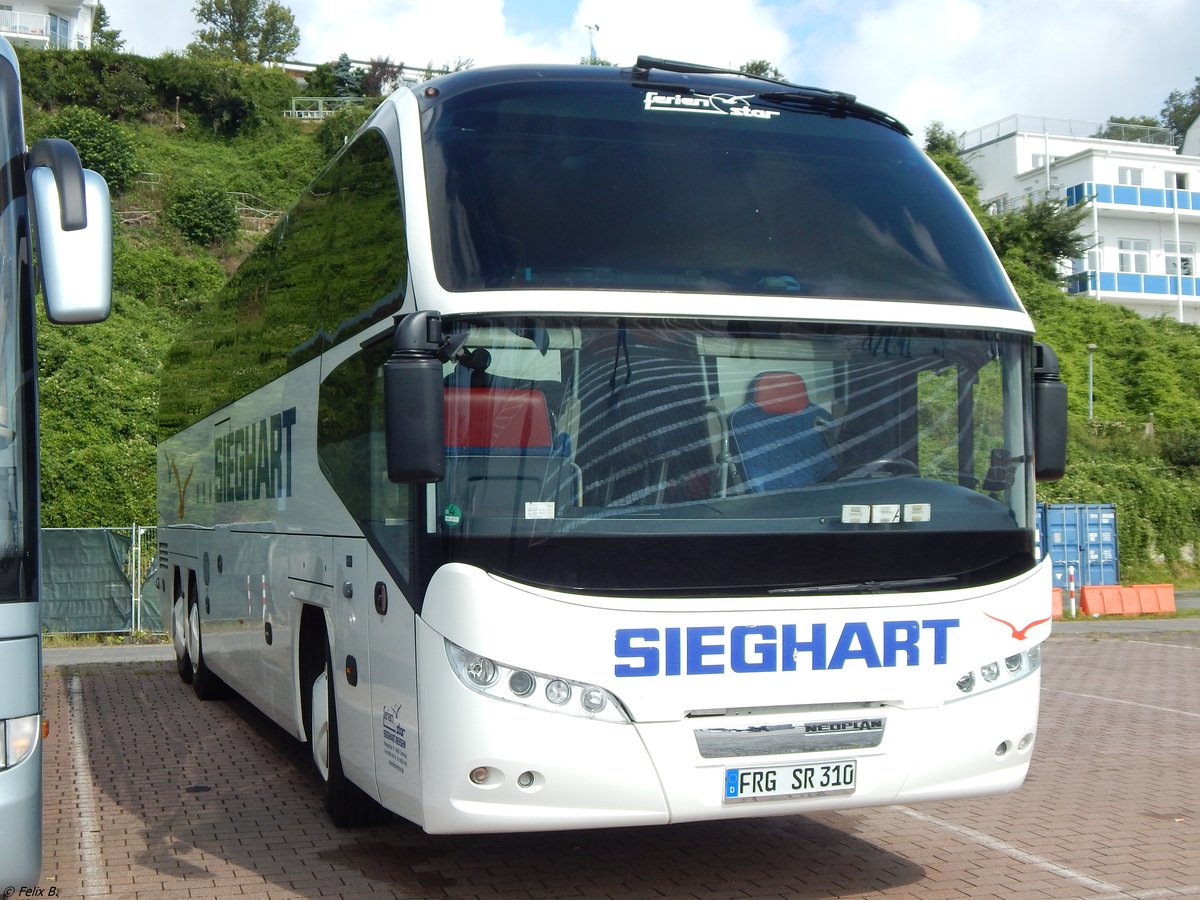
{"x": 206, "y": 685}
{"x": 347, "y": 804}
{"x": 179, "y": 628}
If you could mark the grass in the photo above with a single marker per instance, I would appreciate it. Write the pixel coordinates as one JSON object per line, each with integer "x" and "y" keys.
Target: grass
{"x": 56, "y": 640}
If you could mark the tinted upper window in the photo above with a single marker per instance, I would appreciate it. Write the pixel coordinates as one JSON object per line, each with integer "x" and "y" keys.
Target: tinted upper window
{"x": 606, "y": 184}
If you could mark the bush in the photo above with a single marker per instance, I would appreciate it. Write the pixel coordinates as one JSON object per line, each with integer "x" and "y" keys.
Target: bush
{"x": 339, "y": 126}
{"x": 203, "y": 214}
{"x": 228, "y": 97}
{"x": 103, "y": 145}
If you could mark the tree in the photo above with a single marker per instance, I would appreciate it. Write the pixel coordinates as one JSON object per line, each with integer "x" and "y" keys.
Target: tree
{"x": 595, "y": 61}
{"x": 1181, "y": 109}
{"x": 105, "y": 37}
{"x": 248, "y": 31}
{"x": 1115, "y": 128}
{"x": 347, "y": 80}
{"x": 763, "y": 68}
{"x": 1040, "y": 235}
{"x": 278, "y": 35}
{"x": 1037, "y": 236}
{"x": 381, "y": 77}
{"x": 942, "y": 147}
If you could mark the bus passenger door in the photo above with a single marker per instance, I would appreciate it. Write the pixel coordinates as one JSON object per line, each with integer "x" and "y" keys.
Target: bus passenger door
{"x": 394, "y": 694}
{"x": 352, "y": 661}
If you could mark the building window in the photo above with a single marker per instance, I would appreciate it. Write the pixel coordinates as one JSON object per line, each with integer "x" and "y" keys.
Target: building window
{"x": 60, "y": 38}
{"x": 1129, "y": 175}
{"x": 1133, "y": 255}
{"x": 1177, "y": 181}
{"x": 1181, "y": 257}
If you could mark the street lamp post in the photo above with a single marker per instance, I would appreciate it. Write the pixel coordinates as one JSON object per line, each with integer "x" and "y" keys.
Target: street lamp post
{"x": 1091, "y": 348}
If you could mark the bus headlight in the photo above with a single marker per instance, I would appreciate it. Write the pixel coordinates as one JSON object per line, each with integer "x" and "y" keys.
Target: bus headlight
{"x": 540, "y": 691}
{"x": 19, "y": 739}
{"x": 997, "y": 673}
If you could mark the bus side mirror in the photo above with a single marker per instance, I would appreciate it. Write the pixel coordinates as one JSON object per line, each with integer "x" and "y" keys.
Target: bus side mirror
{"x": 72, "y": 223}
{"x": 1049, "y": 416}
{"x": 413, "y": 398}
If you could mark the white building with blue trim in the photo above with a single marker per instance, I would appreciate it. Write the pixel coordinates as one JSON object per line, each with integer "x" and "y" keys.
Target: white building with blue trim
{"x": 1143, "y": 226}
{"x": 61, "y": 25}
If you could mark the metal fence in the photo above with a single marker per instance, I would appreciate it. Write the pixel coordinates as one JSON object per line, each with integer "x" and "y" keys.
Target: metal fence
{"x": 93, "y": 580}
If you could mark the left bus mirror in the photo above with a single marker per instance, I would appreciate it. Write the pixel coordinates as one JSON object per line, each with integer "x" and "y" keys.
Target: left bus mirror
{"x": 413, "y": 398}
{"x": 1049, "y": 416}
{"x": 72, "y": 224}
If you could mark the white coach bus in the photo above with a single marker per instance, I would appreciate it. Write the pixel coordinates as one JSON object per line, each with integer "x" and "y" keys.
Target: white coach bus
{"x": 594, "y": 446}
{"x": 45, "y": 195}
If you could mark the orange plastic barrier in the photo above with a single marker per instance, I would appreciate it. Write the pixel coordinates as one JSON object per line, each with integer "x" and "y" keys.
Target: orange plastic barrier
{"x": 1056, "y": 602}
{"x": 1101, "y": 600}
{"x": 1155, "y": 598}
{"x": 1127, "y": 601}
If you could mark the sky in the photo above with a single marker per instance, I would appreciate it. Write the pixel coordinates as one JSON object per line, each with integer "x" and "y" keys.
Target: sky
{"x": 964, "y": 63}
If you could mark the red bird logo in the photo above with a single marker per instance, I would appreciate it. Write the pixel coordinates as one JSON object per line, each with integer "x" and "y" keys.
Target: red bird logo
{"x": 1019, "y": 634}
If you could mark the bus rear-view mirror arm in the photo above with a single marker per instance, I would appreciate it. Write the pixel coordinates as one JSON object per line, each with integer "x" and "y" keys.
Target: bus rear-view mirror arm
{"x": 72, "y": 222}
{"x": 413, "y": 398}
{"x": 1049, "y": 416}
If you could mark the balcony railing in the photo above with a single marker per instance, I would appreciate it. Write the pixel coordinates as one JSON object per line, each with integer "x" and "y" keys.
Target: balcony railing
{"x": 36, "y": 29}
{"x": 1072, "y": 128}
{"x": 1092, "y": 281}
{"x": 318, "y": 107}
{"x": 1133, "y": 195}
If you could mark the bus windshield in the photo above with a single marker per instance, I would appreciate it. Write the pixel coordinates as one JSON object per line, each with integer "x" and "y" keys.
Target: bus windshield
{"x": 602, "y": 184}
{"x": 658, "y": 456}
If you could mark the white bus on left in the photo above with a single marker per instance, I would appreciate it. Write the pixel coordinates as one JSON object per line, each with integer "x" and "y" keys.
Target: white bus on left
{"x": 46, "y": 199}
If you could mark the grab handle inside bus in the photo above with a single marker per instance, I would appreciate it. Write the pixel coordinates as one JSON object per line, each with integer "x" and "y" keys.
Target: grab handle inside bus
{"x": 413, "y": 398}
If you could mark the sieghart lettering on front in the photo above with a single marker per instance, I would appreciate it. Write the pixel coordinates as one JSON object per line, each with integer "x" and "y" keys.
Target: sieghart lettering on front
{"x": 254, "y": 462}
{"x": 716, "y": 649}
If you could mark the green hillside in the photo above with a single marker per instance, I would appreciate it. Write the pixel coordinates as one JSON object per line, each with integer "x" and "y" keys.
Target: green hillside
{"x": 219, "y": 127}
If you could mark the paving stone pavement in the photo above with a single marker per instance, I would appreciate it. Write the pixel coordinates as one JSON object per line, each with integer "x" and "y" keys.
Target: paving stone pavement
{"x": 152, "y": 794}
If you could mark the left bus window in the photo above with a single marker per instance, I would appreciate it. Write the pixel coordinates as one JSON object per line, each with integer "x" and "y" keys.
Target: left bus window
{"x": 18, "y": 566}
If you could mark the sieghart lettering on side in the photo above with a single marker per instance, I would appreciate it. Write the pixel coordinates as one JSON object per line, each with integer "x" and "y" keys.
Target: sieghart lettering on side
{"x": 716, "y": 649}
{"x": 254, "y": 461}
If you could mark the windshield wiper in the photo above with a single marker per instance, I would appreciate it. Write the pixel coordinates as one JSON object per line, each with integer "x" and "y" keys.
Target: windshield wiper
{"x": 838, "y": 102}
{"x": 865, "y": 587}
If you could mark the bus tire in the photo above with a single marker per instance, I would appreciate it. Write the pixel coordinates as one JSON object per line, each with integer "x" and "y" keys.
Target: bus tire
{"x": 347, "y": 804}
{"x": 179, "y": 627}
{"x": 206, "y": 685}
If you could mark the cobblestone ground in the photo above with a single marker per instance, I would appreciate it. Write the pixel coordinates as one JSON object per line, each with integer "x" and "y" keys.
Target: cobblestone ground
{"x": 151, "y": 794}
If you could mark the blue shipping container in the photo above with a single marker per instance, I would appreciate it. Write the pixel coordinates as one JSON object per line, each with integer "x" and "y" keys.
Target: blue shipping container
{"x": 1083, "y": 535}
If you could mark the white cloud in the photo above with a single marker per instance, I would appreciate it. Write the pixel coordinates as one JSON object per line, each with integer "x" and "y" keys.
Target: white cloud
{"x": 970, "y": 62}
{"x": 728, "y": 34}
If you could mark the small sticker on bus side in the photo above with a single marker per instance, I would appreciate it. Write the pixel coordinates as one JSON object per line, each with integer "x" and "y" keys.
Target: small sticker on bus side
{"x": 539, "y": 509}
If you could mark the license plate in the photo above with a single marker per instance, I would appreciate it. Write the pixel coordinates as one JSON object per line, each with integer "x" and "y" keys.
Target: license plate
{"x": 807, "y": 779}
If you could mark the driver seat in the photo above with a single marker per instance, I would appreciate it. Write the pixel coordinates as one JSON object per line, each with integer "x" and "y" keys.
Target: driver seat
{"x": 774, "y": 435}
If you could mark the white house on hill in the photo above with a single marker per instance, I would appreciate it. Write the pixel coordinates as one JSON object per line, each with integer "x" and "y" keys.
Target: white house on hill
{"x": 1144, "y": 221}
{"x": 63, "y": 25}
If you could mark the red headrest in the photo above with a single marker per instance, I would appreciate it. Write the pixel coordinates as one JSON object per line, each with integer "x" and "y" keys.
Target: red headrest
{"x": 497, "y": 418}
{"x": 780, "y": 393}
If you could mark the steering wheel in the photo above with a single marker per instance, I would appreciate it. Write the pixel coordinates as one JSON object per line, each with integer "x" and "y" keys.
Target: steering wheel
{"x": 882, "y": 467}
